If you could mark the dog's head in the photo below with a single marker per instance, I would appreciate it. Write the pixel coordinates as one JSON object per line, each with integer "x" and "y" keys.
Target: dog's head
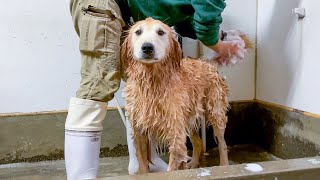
{"x": 149, "y": 42}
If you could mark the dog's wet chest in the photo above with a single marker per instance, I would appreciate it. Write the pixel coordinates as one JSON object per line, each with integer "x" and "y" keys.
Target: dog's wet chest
{"x": 158, "y": 99}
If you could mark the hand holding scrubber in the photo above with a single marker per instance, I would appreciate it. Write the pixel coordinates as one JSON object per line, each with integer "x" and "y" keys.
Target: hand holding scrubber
{"x": 233, "y": 37}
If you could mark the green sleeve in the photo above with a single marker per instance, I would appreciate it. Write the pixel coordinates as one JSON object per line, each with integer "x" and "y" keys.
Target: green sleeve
{"x": 207, "y": 19}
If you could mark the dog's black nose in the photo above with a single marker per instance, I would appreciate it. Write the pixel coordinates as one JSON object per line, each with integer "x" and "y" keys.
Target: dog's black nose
{"x": 147, "y": 48}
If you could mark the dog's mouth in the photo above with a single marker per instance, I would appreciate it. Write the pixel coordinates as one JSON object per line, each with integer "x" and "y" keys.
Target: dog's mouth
{"x": 148, "y": 60}
{"x": 148, "y": 56}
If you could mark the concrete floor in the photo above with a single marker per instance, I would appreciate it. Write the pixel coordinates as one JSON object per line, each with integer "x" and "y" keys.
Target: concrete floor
{"x": 117, "y": 166}
{"x": 109, "y": 167}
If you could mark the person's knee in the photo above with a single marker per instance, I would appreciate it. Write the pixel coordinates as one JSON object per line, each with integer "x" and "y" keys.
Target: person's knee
{"x": 99, "y": 89}
{"x": 100, "y": 77}
{"x": 85, "y": 115}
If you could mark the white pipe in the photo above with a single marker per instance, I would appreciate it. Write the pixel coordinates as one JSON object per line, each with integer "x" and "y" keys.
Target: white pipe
{"x": 120, "y": 111}
{"x": 203, "y": 133}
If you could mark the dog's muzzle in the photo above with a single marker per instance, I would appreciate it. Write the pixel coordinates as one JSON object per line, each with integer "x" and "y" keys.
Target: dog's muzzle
{"x": 147, "y": 51}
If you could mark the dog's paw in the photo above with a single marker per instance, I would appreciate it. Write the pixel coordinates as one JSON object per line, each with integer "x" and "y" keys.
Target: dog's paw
{"x": 177, "y": 166}
{"x": 183, "y": 165}
{"x": 193, "y": 164}
{"x": 144, "y": 170}
{"x": 225, "y": 163}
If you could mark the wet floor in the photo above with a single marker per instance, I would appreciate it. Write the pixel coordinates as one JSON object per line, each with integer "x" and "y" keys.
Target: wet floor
{"x": 110, "y": 167}
{"x": 239, "y": 154}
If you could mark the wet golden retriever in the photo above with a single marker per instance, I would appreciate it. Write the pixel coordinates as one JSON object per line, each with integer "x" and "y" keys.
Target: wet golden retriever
{"x": 166, "y": 95}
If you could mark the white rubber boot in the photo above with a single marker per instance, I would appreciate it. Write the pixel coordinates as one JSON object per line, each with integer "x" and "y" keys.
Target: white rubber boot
{"x": 83, "y": 138}
{"x": 158, "y": 164}
{"x": 133, "y": 167}
{"x": 82, "y": 154}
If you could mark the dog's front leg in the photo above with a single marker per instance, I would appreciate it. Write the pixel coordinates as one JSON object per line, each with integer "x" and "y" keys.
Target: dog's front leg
{"x": 142, "y": 151}
{"x": 178, "y": 151}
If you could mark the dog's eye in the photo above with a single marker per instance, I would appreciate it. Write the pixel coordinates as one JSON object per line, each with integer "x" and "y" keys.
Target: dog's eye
{"x": 160, "y": 32}
{"x": 138, "y": 32}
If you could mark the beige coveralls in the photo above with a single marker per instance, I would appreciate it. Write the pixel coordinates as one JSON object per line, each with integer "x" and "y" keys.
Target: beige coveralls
{"x": 98, "y": 23}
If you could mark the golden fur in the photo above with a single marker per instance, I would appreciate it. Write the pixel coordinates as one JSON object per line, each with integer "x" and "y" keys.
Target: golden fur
{"x": 165, "y": 101}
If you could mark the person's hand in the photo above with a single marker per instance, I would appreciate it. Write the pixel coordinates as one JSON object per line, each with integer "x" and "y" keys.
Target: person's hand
{"x": 226, "y": 49}
{"x": 230, "y": 51}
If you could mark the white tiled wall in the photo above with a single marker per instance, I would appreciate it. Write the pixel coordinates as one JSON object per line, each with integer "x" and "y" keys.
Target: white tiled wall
{"x": 40, "y": 62}
{"x": 241, "y": 14}
{"x": 288, "y": 54}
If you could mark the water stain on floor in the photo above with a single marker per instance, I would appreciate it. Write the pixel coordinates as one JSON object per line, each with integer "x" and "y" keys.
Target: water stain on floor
{"x": 239, "y": 154}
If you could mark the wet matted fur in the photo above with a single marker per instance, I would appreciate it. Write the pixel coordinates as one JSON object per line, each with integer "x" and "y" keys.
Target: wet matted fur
{"x": 166, "y": 95}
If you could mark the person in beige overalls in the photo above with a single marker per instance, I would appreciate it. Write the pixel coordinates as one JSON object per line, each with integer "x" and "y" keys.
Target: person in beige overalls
{"x": 98, "y": 24}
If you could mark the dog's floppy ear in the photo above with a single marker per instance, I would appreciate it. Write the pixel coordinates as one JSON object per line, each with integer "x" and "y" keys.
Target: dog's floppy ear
{"x": 125, "y": 56}
{"x": 175, "y": 52}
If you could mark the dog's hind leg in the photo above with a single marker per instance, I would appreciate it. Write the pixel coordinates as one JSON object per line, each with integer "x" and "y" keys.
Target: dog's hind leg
{"x": 197, "y": 153}
{"x": 217, "y": 106}
{"x": 222, "y": 146}
{"x": 142, "y": 151}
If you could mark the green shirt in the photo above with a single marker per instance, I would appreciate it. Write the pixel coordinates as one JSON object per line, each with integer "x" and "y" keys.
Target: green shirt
{"x": 203, "y": 17}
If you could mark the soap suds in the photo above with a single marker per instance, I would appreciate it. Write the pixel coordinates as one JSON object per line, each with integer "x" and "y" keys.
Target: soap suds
{"x": 254, "y": 167}
{"x": 314, "y": 161}
{"x": 203, "y": 172}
